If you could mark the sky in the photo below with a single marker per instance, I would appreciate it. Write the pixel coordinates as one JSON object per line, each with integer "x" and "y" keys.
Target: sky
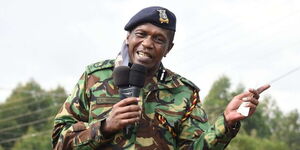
{"x": 251, "y": 42}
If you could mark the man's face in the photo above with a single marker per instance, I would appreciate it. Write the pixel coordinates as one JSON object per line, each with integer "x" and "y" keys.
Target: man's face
{"x": 147, "y": 44}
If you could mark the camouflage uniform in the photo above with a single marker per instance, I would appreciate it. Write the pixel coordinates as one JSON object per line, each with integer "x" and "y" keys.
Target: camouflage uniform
{"x": 172, "y": 116}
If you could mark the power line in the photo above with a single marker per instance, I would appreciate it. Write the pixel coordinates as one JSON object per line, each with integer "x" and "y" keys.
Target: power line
{"x": 35, "y": 95}
{"x": 31, "y": 103}
{"x": 30, "y": 113}
{"x": 259, "y": 28}
{"x": 25, "y": 137}
{"x": 15, "y": 134}
{"x": 27, "y": 124}
{"x": 265, "y": 53}
{"x": 284, "y": 75}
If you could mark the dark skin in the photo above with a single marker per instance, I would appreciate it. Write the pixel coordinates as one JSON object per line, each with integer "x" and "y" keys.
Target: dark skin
{"x": 252, "y": 96}
{"x": 147, "y": 45}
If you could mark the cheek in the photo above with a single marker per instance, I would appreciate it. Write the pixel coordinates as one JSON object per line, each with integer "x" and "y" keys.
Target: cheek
{"x": 164, "y": 51}
{"x": 131, "y": 47}
{"x": 130, "y": 53}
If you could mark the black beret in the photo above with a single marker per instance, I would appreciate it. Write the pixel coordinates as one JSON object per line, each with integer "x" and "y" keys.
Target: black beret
{"x": 155, "y": 15}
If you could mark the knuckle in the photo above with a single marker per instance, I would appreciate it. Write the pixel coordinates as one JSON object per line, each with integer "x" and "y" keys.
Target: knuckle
{"x": 126, "y": 100}
{"x": 133, "y": 107}
{"x": 122, "y": 123}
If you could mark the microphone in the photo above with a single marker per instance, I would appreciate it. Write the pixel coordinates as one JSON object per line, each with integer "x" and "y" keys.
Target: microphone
{"x": 121, "y": 79}
{"x": 129, "y": 87}
{"x": 137, "y": 78}
{"x": 129, "y": 81}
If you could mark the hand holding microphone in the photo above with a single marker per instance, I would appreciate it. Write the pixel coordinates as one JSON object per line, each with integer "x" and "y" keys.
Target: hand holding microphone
{"x": 127, "y": 112}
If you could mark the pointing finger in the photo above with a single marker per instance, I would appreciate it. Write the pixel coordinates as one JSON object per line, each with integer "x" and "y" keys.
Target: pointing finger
{"x": 255, "y": 93}
{"x": 263, "y": 88}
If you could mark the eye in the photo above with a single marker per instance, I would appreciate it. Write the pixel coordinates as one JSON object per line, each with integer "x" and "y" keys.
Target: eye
{"x": 140, "y": 34}
{"x": 159, "y": 40}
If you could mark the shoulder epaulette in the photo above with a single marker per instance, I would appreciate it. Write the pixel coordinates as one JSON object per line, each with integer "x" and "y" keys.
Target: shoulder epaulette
{"x": 190, "y": 83}
{"x": 100, "y": 66}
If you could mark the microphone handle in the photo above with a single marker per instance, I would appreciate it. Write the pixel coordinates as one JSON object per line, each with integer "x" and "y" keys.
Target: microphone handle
{"x": 132, "y": 91}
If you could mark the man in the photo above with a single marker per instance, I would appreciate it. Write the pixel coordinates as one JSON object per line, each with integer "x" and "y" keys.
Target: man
{"x": 168, "y": 115}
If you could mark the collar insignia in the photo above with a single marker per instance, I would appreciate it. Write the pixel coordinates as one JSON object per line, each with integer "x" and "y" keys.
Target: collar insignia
{"x": 163, "y": 18}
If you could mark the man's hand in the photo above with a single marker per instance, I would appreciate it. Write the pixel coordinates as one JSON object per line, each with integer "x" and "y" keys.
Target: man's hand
{"x": 122, "y": 114}
{"x": 251, "y": 96}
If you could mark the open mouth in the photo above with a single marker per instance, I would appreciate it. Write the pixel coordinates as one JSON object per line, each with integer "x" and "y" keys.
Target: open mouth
{"x": 143, "y": 55}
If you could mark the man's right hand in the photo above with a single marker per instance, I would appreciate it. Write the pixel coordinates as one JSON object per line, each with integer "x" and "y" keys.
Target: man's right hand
{"x": 122, "y": 114}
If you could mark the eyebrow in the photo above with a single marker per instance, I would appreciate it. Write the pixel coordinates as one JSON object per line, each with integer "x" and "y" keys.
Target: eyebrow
{"x": 156, "y": 34}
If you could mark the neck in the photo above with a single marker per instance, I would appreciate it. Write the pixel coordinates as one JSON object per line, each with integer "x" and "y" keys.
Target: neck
{"x": 151, "y": 73}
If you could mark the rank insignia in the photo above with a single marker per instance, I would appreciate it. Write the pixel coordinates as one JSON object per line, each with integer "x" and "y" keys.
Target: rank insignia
{"x": 163, "y": 18}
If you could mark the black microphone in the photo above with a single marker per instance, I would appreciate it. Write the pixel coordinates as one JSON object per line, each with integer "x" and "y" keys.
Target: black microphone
{"x": 121, "y": 79}
{"x": 137, "y": 78}
{"x": 129, "y": 87}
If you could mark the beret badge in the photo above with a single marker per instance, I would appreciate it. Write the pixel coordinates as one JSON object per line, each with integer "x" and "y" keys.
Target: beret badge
{"x": 156, "y": 15}
{"x": 163, "y": 18}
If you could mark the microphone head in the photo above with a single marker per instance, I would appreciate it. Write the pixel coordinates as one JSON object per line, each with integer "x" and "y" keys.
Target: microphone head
{"x": 121, "y": 76}
{"x": 137, "y": 75}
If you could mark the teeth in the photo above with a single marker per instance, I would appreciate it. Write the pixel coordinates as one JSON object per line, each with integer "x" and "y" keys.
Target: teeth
{"x": 141, "y": 54}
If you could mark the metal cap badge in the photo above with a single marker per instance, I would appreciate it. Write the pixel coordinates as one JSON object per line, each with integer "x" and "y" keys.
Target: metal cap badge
{"x": 163, "y": 18}
{"x": 155, "y": 15}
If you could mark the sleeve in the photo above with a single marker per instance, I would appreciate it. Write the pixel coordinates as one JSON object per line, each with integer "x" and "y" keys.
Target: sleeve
{"x": 197, "y": 133}
{"x": 71, "y": 127}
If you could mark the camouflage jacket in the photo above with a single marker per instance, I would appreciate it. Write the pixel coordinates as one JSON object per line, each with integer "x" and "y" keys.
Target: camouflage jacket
{"x": 172, "y": 115}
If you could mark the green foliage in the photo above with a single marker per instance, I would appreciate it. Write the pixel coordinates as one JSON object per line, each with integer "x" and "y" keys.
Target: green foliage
{"x": 287, "y": 129}
{"x": 268, "y": 128}
{"x": 30, "y": 142}
{"x": 246, "y": 142}
{"x": 27, "y": 110}
{"x": 217, "y": 98}
{"x": 259, "y": 121}
{"x": 26, "y": 119}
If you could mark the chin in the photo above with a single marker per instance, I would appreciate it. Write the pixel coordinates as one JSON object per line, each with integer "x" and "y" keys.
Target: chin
{"x": 142, "y": 63}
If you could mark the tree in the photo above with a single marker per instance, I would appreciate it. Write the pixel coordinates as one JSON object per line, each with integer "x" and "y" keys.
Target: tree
{"x": 247, "y": 142}
{"x": 21, "y": 101}
{"x": 33, "y": 140}
{"x": 287, "y": 128}
{"x": 268, "y": 128}
{"x": 258, "y": 122}
{"x": 28, "y": 107}
{"x": 217, "y": 98}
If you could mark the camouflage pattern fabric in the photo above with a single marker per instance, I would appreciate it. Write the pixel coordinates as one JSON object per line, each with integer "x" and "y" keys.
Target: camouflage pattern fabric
{"x": 172, "y": 115}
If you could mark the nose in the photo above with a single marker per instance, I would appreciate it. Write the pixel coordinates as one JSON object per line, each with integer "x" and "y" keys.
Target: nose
{"x": 147, "y": 42}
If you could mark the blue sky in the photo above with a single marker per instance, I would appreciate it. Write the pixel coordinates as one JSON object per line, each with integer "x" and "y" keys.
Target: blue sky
{"x": 252, "y": 42}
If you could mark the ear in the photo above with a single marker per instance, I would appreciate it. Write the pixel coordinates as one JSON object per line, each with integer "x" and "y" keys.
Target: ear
{"x": 127, "y": 37}
{"x": 169, "y": 49}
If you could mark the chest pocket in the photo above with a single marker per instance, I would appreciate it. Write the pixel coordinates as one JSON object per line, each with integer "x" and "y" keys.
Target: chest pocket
{"x": 107, "y": 100}
{"x": 103, "y": 95}
{"x": 102, "y": 106}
